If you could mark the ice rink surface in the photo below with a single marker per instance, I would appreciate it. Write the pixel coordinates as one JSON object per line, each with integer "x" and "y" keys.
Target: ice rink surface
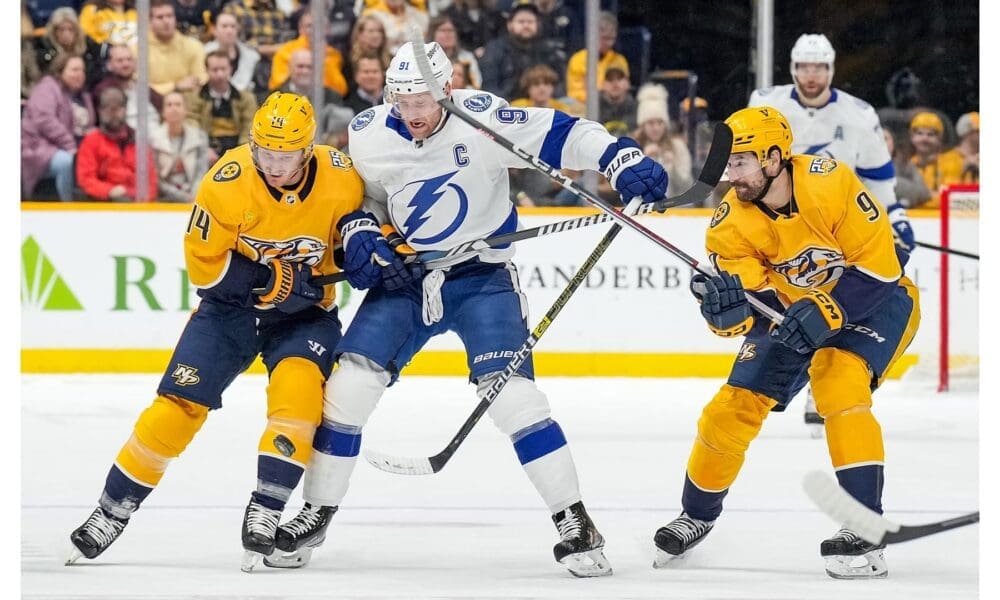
{"x": 477, "y": 529}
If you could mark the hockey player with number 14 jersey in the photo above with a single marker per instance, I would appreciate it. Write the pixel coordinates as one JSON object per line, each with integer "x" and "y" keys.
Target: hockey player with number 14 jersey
{"x": 441, "y": 183}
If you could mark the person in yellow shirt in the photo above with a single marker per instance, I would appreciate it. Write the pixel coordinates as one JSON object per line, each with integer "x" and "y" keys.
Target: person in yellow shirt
{"x": 176, "y": 61}
{"x": 576, "y": 70}
{"x": 937, "y": 168}
{"x": 333, "y": 75}
{"x": 111, "y": 21}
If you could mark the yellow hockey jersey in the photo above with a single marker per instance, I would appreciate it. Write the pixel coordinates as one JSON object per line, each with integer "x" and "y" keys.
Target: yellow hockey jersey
{"x": 834, "y": 224}
{"x": 235, "y": 210}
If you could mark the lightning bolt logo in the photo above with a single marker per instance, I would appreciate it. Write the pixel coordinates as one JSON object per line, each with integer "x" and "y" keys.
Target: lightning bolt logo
{"x": 431, "y": 190}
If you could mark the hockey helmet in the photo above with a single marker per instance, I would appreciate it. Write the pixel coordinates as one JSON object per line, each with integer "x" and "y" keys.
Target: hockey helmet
{"x": 285, "y": 122}
{"x": 403, "y": 75}
{"x": 759, "y": 129}
{"x": 812, "y": 48}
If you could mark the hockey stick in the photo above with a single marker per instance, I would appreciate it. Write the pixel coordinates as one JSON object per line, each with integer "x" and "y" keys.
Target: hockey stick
{"x": 433, "y": 258}
{"x": 873, "y": 527}
{"x": 948, "y": 250}
{"x": 424, "y": 65}
{"x": 714, "y": 166}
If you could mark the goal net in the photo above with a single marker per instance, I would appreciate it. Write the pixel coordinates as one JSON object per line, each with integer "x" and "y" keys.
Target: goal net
{"x": 958, "y": 289}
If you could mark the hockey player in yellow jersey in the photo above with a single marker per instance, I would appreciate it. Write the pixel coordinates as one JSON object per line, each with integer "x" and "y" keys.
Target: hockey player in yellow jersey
{"x": 263, "y": 224}
{"x": 804, "y": 235}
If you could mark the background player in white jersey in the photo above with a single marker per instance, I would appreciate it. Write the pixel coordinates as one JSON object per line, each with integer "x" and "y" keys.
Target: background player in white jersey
{"x": 440, "y": 183}
{"x": 830, "y": 122}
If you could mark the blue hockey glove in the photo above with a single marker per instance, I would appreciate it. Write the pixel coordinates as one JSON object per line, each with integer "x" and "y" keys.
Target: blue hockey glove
{"x": 723, "y": 303}
{"x": 902, "y": 232}
{"x": 406, "y": 268}
{"x": 369, "y": 259}
{"x": 632, "y": 173}
{"x": 809, "y": 322}
{"x": 289, "y": 287}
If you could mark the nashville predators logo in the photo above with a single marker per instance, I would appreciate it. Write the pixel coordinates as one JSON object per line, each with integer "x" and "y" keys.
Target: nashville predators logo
{"x": 185, "y": 375}
{"x": 822, "y": 166}
{"x": 341, "y": 160}
{"x": 229, "y": 171}
{"x": 747, "y": 352}
{"x": 304, "y": 249}
{"x": 720, "y": 213}
{"x": 813, "y": 267}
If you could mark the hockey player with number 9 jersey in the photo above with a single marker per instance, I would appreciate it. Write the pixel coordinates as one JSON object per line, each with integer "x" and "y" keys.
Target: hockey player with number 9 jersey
{"x": 439, "y": 182}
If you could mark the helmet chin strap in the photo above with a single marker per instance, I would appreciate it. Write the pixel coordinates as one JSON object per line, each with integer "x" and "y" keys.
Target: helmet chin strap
{"x": 770, "y": 180}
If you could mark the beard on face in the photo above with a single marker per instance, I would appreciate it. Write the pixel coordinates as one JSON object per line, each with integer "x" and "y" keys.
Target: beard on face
{"x": 749, "y": 191}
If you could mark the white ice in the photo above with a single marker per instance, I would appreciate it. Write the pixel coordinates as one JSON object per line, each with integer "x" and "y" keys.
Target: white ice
{"x": 477, "y": 529}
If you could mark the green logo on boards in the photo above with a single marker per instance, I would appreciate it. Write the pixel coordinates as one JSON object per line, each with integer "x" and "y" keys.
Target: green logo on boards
{"x": 41, "y": 286}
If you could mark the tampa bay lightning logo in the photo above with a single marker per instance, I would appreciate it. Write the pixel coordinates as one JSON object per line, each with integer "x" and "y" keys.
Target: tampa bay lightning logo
{"x": 478, "y": 103}
{"x": 433, "y": 207}
{"x": 362, "y": 120}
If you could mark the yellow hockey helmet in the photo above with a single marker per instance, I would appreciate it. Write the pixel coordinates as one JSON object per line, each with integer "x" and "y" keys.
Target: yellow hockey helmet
{"x": 284, "y": 122}
{"x": 759, "y": 129}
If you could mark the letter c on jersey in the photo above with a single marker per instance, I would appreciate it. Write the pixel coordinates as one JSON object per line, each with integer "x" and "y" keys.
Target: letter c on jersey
{"x": 461, "y": 155}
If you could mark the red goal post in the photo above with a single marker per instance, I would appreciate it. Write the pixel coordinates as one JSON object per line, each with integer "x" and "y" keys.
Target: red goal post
{"x": 957, "y": 202}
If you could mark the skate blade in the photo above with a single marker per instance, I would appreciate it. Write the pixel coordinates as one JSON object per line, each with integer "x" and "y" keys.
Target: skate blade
{"x": 591, "y": 563}
{"x": 295, "y": 559}
{"x": 664, "y": 559}
{"x": 250, "y": 560}
{"x": 866, "y": 566}
{"x": 74, "y": 556}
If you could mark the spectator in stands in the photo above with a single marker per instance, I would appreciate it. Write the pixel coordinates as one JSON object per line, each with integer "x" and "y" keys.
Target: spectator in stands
{"x": 967, "y": 129}
{"x": 39, "y": 11}
{"x": 538, "y": 83}
{"x": 911, "y": 191}
{"x": 576, "y": 71}
{"x": 300, "y": 74}
{"x": 110, "y": 21}
{"x": 442, "y": 30}
{"x": 262, "y": 26}
{"x": 242, "y": 58}
{"x": 63, "y": 35}
{"x": 555, "y": 20}
{"x": 617, "y": 106}
{"x": 57, "y": 112}
{"x": 334, "y": 121}
{"x": 180, "y": 151}
{"x": 477, "y": 23}
{"x": 105, "y": 163}
{"x": 367, "y": 39}
{"x": 655, "y": 138}
{"x": 936, "y": 167}
{"x": 333, "y": 75}
{"x": 30, "y": 73}
{"x": 459, "y": 75}
{"x": 121, "y": 74}
{"x": 369, "y": 82}
{"x": 176, "y": 61}
{"x": 397, "y": 18}
{"x": 194, "y": 17}
{"x": 340, "y": 19}
{"x": 507, "y": 57}
{"x": 221, "y": 110}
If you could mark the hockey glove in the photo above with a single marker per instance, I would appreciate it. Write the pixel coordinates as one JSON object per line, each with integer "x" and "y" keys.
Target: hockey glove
{"x": 902, "y": 232}
{"x": 632, "y": 173}
{"x": 809, "y": 322}
{"x": 289, "y": 287}
{"x": 723, "y": 303}
{"x": 406, "y": 268}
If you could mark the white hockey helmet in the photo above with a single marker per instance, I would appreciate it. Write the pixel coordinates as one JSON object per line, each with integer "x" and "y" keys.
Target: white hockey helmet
{"x": 812, "y": 48}
{"x": 403, "y": 76}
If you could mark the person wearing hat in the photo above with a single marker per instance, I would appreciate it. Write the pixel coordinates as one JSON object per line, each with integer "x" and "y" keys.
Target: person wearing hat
{"x": 617, "y": 106}
{"x": 936, "y": 167}
{"x": 576, "y": 71}
{"x": 656, "y": 139}
{"x": 968, "y": 146}
{"x": 508, "y": 56}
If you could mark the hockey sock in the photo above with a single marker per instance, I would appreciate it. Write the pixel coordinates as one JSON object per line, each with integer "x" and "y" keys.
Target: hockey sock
{"x": 541, "y": 448}
{"x": 336, "y": 448}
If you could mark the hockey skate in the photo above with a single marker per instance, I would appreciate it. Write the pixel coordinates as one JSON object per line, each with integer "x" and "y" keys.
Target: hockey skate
{"x": 259, "y": 526}
{"x": 297, "y": 538}
{"x": 850, "y": 557}
{"x": 581, "y": 549}
{"x": 814, "y": 423}
{"x": 674, "y": 539}
{"x": 98, "y": 532}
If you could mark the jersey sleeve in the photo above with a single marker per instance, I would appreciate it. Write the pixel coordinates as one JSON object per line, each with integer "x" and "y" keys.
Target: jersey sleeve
{"x": 730, "y": 251}
{"x": 874, "y": 164}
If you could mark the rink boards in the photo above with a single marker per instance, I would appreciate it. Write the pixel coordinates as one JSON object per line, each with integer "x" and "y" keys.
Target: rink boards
{"x": 104, "y": 289}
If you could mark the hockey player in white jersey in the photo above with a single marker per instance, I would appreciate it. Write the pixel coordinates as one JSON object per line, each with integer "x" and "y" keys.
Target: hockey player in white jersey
{"x": 830, "y": 122}
{"x": 440, "y": 183}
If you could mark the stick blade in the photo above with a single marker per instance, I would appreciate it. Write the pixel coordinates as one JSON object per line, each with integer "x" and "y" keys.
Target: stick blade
{"x": 719, "y": 151}
{"x": 400, "y": 465}
{"x": 842, "y": 508}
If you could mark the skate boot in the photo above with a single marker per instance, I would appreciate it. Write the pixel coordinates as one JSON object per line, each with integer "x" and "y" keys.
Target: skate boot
{"x": 93, "y": 537}
{"x": 674, "y": 539}
{"x": 850, "y": 557}
{"x": 297, "y": 538}
{"x": 814, "y": 423}
{"x": 259, "y": 526}
{"x": 581, "y": 548}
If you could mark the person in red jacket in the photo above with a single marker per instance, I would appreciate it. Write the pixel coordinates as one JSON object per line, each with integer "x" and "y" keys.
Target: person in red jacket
{"x": 105, "y": 161}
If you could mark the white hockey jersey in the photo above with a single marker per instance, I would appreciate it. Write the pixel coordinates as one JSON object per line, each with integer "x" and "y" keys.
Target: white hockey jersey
{"x": 453, "y": 187}
{"x": 845, "y": 128}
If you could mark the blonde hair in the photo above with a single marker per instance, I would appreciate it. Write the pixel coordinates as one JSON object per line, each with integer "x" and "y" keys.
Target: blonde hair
{"x": 356, "y": 52}
{"x": 62, "y": 15}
